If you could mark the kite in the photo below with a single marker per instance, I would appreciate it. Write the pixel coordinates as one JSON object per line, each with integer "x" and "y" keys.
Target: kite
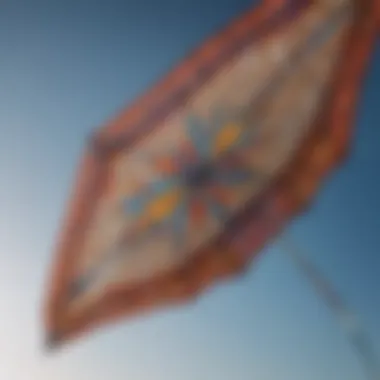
{"x": 186, "y": 186}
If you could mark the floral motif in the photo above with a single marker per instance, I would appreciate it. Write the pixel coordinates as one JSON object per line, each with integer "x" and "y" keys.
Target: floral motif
{"x": 198, "y": 180}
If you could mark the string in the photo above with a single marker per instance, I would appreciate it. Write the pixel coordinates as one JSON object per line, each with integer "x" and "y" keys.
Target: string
{"x": 348, "y": 320}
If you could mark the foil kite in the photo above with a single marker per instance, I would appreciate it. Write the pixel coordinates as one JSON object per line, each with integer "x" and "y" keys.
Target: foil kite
{"x": 186, "y": 186}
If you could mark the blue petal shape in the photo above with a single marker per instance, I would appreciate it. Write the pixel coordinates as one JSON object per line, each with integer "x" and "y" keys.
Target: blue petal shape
{"x": 135, "y": 205}
{"x": 199, "y": 135}
{"x": 161, "y": 186}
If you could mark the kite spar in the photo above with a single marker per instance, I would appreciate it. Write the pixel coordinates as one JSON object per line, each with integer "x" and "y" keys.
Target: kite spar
{"x": 348, "y": 320}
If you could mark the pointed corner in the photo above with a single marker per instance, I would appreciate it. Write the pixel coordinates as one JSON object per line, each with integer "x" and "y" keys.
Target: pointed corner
{"x": 52, "y": 342}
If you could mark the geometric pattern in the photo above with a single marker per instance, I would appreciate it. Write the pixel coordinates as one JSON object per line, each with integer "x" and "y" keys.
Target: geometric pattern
{"x": 197, "y": 178}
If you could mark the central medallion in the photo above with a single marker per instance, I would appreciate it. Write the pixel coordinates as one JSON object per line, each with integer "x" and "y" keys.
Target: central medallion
{"x": 198, "y": 183}
{"x": 198, "y": 174}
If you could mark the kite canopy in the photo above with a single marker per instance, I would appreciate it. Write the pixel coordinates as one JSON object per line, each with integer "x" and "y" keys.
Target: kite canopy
{"x": 187, "y": 185}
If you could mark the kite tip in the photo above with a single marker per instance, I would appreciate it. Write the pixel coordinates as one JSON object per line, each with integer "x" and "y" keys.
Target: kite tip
{"x": 52, "y": 342}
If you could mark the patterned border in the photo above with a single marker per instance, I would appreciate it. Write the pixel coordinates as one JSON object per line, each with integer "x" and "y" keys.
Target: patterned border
{"x": 262, "y": 220}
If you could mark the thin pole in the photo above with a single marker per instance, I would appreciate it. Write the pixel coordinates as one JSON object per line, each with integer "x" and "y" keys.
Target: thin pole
{"x": 348, "y": 320}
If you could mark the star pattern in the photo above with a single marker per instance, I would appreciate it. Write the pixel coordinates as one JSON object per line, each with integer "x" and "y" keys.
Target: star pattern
{"x": 198, "y": 180}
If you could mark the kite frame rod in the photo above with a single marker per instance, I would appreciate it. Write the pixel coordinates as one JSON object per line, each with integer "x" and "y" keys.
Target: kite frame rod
{"x": 349, "y": 321}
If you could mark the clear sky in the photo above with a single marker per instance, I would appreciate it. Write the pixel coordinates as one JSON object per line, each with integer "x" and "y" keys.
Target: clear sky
{"x": 65, "y": 67}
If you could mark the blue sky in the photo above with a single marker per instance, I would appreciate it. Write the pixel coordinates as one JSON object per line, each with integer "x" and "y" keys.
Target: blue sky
{"x": 65, "y": 67}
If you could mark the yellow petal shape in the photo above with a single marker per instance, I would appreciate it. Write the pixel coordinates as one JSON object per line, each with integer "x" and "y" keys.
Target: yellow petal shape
{"x": 162, "y": 206}
{"x": 227, "y": 137}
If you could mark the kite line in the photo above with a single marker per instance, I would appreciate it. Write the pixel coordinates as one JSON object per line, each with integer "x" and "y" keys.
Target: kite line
{"x": 349, "y": 321}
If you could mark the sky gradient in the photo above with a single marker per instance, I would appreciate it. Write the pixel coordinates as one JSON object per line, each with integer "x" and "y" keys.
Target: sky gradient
{"x": 65, "y": 68}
